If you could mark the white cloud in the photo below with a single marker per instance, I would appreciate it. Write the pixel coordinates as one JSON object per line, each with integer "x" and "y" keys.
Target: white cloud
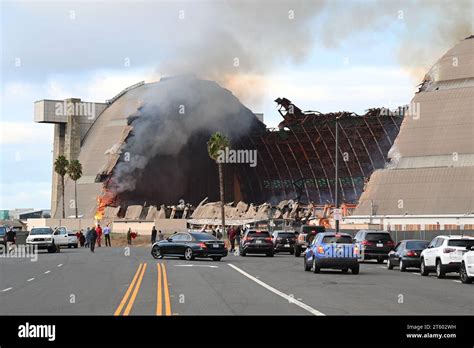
{"x": 25, "y": 194}
{"x": 25, "y": 133}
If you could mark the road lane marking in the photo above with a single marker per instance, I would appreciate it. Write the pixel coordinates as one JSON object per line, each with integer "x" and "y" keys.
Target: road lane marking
{"x": 7, "y": 289}
{"x": 159, "y": 305}
{"x": 166, "y": 291}
{"x": 384, "y": 267}
{"x": 415, "y": 273}
{"x": 135, "y": 292}
{"x": 60, "y": 265}
{"x": 290, "y": 299}
{"x": 457, "y": 281}
{"x": 31, "y": 279}
{"x": 129, "y": 290}
{"x": 47, "y": 272}
{"x": 191, "y": 265}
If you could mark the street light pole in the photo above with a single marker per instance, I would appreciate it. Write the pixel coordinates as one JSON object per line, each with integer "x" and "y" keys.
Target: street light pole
{"x": 336, "y": 176}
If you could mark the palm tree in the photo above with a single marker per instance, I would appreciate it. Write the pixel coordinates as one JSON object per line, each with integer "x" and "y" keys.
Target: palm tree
{"x": 60, "y": 167}
{"x": 215, "y": 145}
{"x": 75, "y": 172}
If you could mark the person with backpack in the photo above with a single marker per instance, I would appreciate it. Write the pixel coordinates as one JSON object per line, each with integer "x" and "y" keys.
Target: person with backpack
{"x": 93, "y": 238}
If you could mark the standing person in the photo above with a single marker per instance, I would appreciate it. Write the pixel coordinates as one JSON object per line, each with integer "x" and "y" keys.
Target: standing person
{"x": 11, "y": 238}
{"x": 232, "y": 234}
{"x": 237, "y": 236}
{"x": 219, "y": 234}
{"x": 129, "y": 236}
{"x": 88, "y": 238}
{"x": 93, "y": 238}
{"x": 160, "y": 235}
{"x": 99, "y": 235}
{"x": 153, "y": 235}
{"x": 214, "y": 232}
{"x": 82, "y": 239}
{"x": 107, "y": 235}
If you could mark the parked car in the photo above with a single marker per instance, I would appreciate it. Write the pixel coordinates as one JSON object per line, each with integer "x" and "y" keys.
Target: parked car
{"x": 284, "y": 241}
{"x": 466, "y": 272}
{"x": 444, "y": 254}
{"x": 305, "y": 237}
{"x": 3, "y": 236}
{"x": 332, "y": 250}
{"x": 374, "y": 245}
{"x": 189, "y": 245}
{"x": 73, "y": 242}
{"x": 407, "y": 253}
{"x": 256, "y": 242}
{"x": 46, "y": 238}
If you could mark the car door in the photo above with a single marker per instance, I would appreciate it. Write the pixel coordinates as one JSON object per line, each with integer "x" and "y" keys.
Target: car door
{"x": 60, "y": 236}
{"x": 428, "y": 253}
{"x": 395, "y": 254}
{"x": 166, "y": 246}
{"x": 183, "y": 243}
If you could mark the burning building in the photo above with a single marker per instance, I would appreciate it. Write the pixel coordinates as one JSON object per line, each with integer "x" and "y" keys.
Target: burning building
{"x": 147, "y": 147}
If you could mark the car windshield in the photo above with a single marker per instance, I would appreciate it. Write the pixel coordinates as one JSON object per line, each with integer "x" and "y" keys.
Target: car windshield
{"x": 378, "y": 236}
{"x": 338, "y": 239}
{"x": 461, "y": 242}
{"x": 286, "y": 235}
{"x": 41, "y": 231}
{"x": 203, "y": 236}
{"x": 417, "y": 245}
{"x": 257, "y": 234}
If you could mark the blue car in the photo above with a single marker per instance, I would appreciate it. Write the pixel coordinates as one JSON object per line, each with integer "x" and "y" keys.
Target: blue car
{"x": 332, "y": 250}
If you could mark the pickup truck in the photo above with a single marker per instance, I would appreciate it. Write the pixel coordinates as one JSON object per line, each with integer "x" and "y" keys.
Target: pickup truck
{"x": 332, "y": 250}
{"x": 305, "y": 237}
{"x": 46, "y": 238}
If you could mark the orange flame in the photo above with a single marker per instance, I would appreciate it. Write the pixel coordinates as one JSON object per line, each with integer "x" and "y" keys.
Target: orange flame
{"x": 105, "y": 199}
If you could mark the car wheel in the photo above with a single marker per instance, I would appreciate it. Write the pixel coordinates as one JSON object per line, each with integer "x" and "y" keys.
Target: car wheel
{"x": 380, "y": 260}
{"x": 242, "y": 252}
{"x": 270, "y": 254}
{"x": 307, "y": 267}
{"x": 188, "y": 254}
{"x": 216, "y": 258}
{"x": 156, "y": 252}
{"x": 316, "y": 268}
{"x": 297, "y": 252}
{"x": 355, "y": 269}
{"x": 69, "y": 246}
{"x": 463, "y": 275}
{"x": 440, "y": 271}
{"x": 292, "y": 252}
{"x": 76, "y": 246}
{"x": 403, "y": 268}
{"x": 423, "y": 270}
{"x": 389, "y": 264}
{"x": 345, "y": 270}
{"x": 51, "y": 249}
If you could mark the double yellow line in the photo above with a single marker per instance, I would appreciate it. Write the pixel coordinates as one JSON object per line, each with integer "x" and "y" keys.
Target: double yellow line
{"x": 134, "y": 286}
{"x": 162, "y": 292}
{"x": 162, "y": 279}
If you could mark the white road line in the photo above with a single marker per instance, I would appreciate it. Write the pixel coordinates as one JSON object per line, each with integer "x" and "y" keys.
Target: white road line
{"x": 383, "y": 267}
{"x": 31, "y": 279}
{"x": 60, "y": 265}
{"x": 457, "y": 281}
{"x": 290, "y": 299}
{"x": 191, "y": 265}
{"x": 47, "y": 272}
{"x": 7, "y": 289}
{"x": 415, "y": 273}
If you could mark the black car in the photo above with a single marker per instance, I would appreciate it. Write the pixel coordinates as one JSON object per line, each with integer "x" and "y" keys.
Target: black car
{"x": 284, "y": 241}
{"x": 407, "y": 254}
{"x": 256, "y": 242}
{"x": 374, "y": 244}
{"x": 188, "y": 245}
{"x": 3, "y": 236}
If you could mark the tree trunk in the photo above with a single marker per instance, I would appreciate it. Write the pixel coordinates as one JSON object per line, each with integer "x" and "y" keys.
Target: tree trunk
{"x": 221, "y": 189}
{"x": 75, "y": 196}
{"x": 62, "y": 192}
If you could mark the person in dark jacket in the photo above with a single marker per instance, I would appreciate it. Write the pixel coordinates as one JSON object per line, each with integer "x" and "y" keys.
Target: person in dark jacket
{"x": 10, "y": 239}
{"x": 82, "y": 239}
{"x": 93, "y": 238}
{"x": 88, "y": 238}
{"x": 153, "y": 235}
{"x": 129, "y": 236}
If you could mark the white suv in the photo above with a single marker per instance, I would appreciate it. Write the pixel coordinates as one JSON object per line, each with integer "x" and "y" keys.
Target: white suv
{"x": 46, "y": 238}
{"x": 444, "y": 254}
{"x": 466, "y": 273}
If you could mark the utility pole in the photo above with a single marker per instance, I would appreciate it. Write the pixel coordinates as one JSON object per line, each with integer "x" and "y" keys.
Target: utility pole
{"x": 336, "y": 176}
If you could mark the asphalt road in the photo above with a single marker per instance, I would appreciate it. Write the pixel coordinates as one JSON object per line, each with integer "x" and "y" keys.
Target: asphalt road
{"x": 109, "y": 282}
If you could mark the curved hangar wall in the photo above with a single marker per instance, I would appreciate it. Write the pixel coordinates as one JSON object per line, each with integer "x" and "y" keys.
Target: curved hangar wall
{"x": 432, "y": 160}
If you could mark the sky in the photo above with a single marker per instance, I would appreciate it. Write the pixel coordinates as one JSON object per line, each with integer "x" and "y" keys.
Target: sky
{"x": 322, "y": 55}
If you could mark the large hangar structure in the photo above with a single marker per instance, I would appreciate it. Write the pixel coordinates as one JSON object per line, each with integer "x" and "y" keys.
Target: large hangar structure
{"x": 430, "y": 177}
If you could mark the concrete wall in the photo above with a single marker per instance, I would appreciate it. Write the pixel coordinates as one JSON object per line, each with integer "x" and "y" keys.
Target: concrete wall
{"x": 73, "y": 224}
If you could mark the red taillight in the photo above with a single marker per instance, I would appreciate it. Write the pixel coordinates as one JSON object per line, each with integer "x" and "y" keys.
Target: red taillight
{"x": 247, "y": 239}
{"x": 268, "y": 238}
{"x": 411, "y": 253}
{"x": 320, "y": 250}
{"x": 202, "y": 245}
{"x": 390, "y": 243}
{"x": 366, "y": 242}
{"x": 448, "y": 250}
